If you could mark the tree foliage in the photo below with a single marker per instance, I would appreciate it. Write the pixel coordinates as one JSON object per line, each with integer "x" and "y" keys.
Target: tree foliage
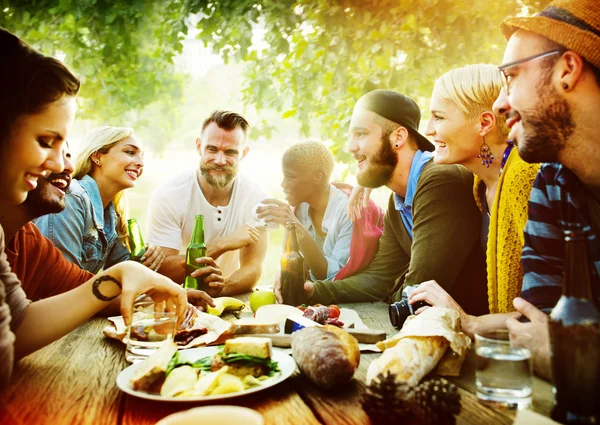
{"x": 320, "y": 56}
{"x": 121, "y": 49}
{"x": 308, "y": 59}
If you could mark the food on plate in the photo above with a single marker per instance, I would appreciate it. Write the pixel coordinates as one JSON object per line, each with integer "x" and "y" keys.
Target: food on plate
{"x": 188, "y": 331}
{"x": 223, "y": 304}
{"x": 322, "y": 315}
{"x": 245, "y": 356}
{"x": 327, "y": 355}
{"x": 151, "y": 374}
{"x": 240, "y": 364}
{"x": 252, "y": 325}
{"x": 259, "y": 298}
{"x": 422, "y": 345}
{"x": 180, "y": 379}
{"x": 334, "y": 311}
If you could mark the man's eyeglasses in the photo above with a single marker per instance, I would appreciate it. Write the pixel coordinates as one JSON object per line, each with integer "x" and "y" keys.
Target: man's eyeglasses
{"x": 506, "y": 78}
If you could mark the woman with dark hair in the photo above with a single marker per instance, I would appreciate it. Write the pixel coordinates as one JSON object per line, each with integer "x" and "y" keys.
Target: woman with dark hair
{"x": 37, "y": 108}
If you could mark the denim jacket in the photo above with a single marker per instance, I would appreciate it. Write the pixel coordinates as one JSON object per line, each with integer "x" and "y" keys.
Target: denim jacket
{"x": 85, "y": 232}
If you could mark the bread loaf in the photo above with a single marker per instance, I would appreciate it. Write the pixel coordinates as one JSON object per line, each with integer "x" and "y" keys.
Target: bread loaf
{"x": 410, "y": 359}
{"x": 327, "y": 355}
{"x": 151, "y": 373}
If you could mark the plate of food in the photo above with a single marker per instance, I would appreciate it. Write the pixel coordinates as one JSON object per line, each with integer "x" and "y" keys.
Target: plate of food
{"x": 241, "y": 366}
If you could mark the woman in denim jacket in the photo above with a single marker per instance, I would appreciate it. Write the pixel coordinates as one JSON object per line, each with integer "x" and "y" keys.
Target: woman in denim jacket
{"x": 92, "y": 230}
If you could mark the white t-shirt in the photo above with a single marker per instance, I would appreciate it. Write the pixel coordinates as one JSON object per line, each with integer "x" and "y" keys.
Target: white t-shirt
{"x": 173, "y": 208}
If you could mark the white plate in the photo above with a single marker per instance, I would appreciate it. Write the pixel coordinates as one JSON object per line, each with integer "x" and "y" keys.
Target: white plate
{"x": 287, "y": 366}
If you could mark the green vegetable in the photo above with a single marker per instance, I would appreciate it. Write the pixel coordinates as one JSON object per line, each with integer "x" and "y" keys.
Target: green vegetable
{"x": 235, "y": 357}
{"x": 173, "y": 363}
{"x": 201, "y": 364}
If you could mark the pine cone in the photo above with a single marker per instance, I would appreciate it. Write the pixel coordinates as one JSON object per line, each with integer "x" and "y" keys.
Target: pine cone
{"x": 381, "y": 402}
{"x": 434, "y": 401}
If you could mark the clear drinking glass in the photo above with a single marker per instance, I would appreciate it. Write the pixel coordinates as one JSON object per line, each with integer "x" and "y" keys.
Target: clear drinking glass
{"x": 151, "y": 324}
{"x": 504, "y": 372}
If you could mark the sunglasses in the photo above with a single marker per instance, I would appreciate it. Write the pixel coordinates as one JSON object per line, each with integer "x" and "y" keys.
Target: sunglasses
{"x": 506, "y": 78}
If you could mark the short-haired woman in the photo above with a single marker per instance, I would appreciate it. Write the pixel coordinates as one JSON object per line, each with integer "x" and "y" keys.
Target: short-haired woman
{"x": 323, "y": 229}
{"x": 467, "y": 132}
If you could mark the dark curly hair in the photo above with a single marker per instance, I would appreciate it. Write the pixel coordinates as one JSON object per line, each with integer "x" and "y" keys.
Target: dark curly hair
{"x": 29, "y": 81}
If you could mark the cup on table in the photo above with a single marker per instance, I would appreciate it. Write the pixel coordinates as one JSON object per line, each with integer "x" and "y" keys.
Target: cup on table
{"x": 504, "y": 371}
{"x": 215, "y": 415}
{"x": 151, "y": 325}
{"x": 260, "y": 222}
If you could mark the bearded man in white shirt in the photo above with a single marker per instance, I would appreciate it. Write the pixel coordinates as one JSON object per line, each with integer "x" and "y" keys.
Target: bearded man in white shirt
{"x": 225, "y": 198}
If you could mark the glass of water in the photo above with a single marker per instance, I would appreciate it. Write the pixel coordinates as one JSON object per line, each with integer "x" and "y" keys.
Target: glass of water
{"x": 151, "y": 325}
{"x": 504, "y": 372}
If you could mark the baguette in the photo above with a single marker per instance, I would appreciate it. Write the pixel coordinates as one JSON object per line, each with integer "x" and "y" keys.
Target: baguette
{"x": 410, "y": 359}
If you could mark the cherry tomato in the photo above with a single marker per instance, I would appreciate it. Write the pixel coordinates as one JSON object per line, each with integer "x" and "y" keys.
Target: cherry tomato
{"x": 334, "y": 311}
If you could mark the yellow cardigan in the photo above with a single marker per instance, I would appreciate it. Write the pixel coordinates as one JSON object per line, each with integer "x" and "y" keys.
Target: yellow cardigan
{"x": 508, "y": 216}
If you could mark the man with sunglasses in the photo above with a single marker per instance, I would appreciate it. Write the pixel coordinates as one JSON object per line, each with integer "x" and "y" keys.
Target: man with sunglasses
{"x": 551, "y": 100}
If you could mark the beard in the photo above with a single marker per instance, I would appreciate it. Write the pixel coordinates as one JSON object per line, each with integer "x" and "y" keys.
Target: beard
{"x": 380, "y": 167}
{"x": 220, "y": 181}
{"x": 547, "y": 127}
{"x": 41, "y": 201}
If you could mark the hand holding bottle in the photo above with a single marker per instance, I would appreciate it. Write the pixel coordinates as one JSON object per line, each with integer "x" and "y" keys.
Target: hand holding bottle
{"x": 153, "y": 257}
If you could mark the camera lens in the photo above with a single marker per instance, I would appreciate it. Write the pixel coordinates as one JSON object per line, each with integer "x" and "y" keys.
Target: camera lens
{"x": 399, "y": 312}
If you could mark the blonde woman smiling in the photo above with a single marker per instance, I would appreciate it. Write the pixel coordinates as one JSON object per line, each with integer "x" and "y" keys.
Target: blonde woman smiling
{"x": 92, "y": 230}
{"x": 467, "y": 132}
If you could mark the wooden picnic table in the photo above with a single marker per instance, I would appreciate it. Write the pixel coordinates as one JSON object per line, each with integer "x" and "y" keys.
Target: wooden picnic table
{"x": 72, "y": 381}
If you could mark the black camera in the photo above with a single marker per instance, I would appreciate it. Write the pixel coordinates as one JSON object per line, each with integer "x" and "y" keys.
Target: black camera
{"x": 400, "y": 310}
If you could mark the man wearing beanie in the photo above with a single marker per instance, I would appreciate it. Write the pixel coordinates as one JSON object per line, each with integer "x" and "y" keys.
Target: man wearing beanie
{"x": 432, "y": 225}
{"x": 552, "y": 100}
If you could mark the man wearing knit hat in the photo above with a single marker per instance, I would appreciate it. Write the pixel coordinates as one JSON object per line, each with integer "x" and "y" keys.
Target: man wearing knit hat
{"x": 432, "y": 225}
{"x": 551, "y": 99}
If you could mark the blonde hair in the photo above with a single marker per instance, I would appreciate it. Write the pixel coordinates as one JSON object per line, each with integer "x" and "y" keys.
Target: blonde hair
{"x": 102, "y": 139}
{"x": 311, "y": 155}
{"x": 474, "y": 89}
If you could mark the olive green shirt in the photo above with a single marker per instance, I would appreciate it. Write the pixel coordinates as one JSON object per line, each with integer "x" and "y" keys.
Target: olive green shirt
{"x": 445, "y": 247}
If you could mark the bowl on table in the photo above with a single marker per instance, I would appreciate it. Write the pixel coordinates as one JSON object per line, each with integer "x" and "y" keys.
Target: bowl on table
{"x": 214, "y": 415}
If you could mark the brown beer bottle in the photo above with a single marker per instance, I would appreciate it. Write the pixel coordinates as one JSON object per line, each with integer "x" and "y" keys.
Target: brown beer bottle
{"x": 292, "y": 268}
{"x": 575, "y": 338}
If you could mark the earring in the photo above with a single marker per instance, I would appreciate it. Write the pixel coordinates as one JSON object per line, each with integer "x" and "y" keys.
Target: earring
{"x": 565, "y": 86}
{"x": 485, "y": 154}
{"x": 98, "y": 162}
{"x": 397, "y": 145}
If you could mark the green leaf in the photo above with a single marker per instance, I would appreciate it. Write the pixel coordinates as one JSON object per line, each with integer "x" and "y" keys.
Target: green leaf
{"x": 289, "y": 113}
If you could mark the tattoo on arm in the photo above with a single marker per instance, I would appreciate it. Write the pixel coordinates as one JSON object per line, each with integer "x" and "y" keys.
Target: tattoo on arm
{"x": 98, "y": 282}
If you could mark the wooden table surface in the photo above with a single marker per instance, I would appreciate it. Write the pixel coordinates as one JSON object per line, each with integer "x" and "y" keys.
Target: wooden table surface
{"x": 72, "y": 381}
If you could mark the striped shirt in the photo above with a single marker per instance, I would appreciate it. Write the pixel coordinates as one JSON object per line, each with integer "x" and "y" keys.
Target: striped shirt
{"x": 559, "y": 201}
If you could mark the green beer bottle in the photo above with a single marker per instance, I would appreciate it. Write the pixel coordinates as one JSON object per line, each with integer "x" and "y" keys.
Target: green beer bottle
{"x": 136, "y": 242}
{"x": 196, "y": 249}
